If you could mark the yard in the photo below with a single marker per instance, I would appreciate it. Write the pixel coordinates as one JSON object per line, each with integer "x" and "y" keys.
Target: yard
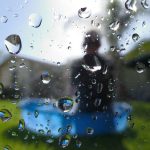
{"x": 136, "y": 137}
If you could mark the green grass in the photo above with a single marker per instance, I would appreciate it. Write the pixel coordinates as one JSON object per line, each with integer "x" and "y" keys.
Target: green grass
{"x": 135, "y": 138}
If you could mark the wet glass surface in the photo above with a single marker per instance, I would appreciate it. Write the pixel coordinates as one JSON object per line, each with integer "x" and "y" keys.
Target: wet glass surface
{"x": 74, "y": 74}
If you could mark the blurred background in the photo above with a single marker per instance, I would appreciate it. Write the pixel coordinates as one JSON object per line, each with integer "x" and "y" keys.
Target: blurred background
{"x": 39, "y": 42}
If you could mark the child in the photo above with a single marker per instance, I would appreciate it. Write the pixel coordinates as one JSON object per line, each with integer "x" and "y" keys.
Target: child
{"x": 92, "y": 77}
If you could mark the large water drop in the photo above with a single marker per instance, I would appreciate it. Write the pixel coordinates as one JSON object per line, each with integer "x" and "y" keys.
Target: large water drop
{"x": 45, "y": 77}
{"x": 5, "y": 115}
{"x": 135, "y": 37}
{"x": 65, "y": 104}
{"x": 90, "y": 131}
{"x": 13, "y": 44}
{"x": 35, "y": 20}
{"x": 131, "y": 5}
{"x": 64, "y": 141}
{"x": 84, "y": 12}
{"x": 145, "y": 4}
{"x": 140, "y": 67}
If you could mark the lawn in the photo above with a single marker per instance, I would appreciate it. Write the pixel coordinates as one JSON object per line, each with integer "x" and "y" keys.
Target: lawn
{"x": 136, "y": 137}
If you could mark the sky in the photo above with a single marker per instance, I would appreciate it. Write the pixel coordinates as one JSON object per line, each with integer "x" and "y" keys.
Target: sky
{"x": 60, "y": 35}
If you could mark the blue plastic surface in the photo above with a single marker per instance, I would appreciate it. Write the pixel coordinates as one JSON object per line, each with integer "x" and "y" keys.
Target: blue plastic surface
{"x": 51, "y": 118}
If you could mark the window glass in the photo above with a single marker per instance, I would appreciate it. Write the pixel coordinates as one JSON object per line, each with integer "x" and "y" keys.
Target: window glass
{"x": 74, "y": 74}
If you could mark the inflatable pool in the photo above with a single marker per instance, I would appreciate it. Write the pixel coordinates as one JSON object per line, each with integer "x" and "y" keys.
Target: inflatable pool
{"x": 40, "y": 116}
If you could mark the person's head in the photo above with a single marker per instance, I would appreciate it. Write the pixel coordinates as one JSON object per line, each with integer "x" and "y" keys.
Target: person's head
{"x": 91, "y": 42}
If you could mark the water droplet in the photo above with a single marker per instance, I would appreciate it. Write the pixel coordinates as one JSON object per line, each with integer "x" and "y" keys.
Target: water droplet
{"x": 114, "y": 25}
{"x": 94, "y": 117}
{"x": 45, "y": 77}
{"x": 135, "y": 37}
{"x": 50, "y": 141}
{"x": 69, "y": 47}
{"x": 7, "y": 147}
{"x": 93, "y": 81}
{"x": 84, "y": 12}
{"x": 78, "y": 143}
{"x": 11, "y": 68}
{"x": 49, "y": 132}
{"x": 131, "y": 5}
{"x": 140, "y": 67}
{"x": 21, "y": 124}
{"x": 144, "y": 24}
{"x": 89, "y": 131}
{"x": 97, "y": 102}
{"x": 65, "y": 104}
{"x": 64, "y": 141}
{"x": 1, "y": 88}
{"x": 13, "y": 44}
{"x": 60, "y": 130}
{"x": 5, "y": 115}
{"x": 69, "y": 127}
{"x": 35, "y": 20}
{"x": 99, "y": 87}
{"x": 144, "y": 4}
{"x": 22, "y": 65}
{"x": 41, "y": 131}
{"x": 3, "y": 19}
{"x": 26, "y": 137}
{"x": 14, "y": 134}
{"x": 129, "y": 117}
{"x": 12, "y": 61}
{"x": 132, "y": 125}
{"x": 58, "y": 63}
{"x": 36, "y": 113}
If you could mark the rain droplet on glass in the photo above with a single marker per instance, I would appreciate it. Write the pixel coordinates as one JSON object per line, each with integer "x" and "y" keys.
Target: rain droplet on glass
{"x": 36, "y": 113}
{"x": 78, "y": 143}
{"x": 3, "y": 19}
{"x": 13, "y": 44}
{"x": 5, "y": 115}
{"x": 65, "y": 104}
{"x": 45, "y": 77}
{"x": 84, "y": 12}
{"x": 135, "y": 37}
{"x": 64, "y": 141}
{"x": 7, "y": 147}
{"x": 89, "y": 131}
{"x": 35, "y": 20}
{"x": 140, "y": 67}
{"x": 21, "y": 125}
{"x": 131, "y": 5}
{"x": 144, "y": 4}
{"x": 114, "y": 25}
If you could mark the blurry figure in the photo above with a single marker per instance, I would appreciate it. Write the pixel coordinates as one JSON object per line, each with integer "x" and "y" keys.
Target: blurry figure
{"x": 92, "y": 76}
